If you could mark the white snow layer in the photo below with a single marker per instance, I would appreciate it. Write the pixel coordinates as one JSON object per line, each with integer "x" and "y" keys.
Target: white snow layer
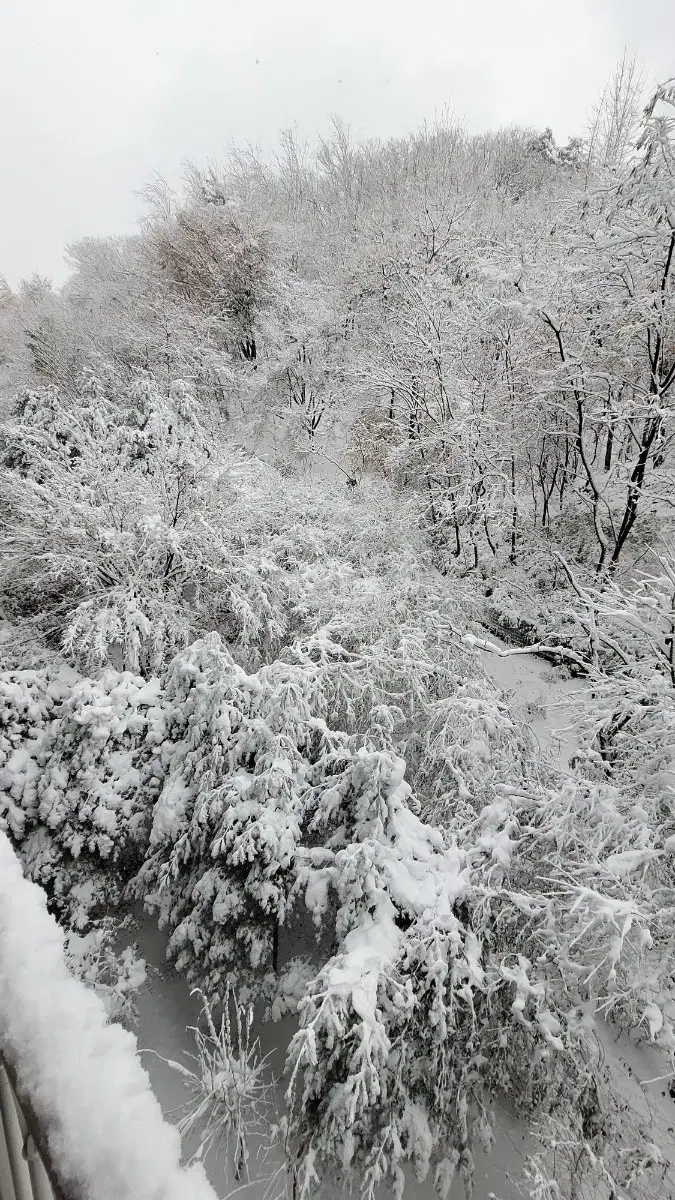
{"x": 103, "y": 1125}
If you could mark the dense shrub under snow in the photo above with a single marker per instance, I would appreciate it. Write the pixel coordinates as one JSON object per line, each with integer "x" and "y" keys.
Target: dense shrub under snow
{"x": 450, "y": 962}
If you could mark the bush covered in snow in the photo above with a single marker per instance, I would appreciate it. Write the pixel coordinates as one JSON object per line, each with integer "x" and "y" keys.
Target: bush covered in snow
{"x": 450, "y": 962}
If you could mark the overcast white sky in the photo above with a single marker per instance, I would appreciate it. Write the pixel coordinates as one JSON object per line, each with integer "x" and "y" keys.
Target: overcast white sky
{"x": 95, "y": 95}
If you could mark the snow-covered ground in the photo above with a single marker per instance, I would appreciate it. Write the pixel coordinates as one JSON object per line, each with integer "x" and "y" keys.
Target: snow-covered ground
{"x": 549, "y": 703}
{"x": 542, "y": 697}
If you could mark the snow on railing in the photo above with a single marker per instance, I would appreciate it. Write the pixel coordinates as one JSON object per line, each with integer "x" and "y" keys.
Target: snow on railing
{"x": 78, "y": 1076}
{"x": 24, "y": 1173}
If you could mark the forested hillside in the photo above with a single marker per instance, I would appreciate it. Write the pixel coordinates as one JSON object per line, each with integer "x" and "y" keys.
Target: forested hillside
{"x": 272, "y": 471}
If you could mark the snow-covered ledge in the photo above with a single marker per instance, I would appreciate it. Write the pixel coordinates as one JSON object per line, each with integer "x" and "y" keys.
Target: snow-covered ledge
{"x": 100, "y": 1121}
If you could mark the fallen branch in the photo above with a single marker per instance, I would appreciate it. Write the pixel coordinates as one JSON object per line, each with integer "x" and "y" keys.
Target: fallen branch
{"x": 477, "y": 643}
